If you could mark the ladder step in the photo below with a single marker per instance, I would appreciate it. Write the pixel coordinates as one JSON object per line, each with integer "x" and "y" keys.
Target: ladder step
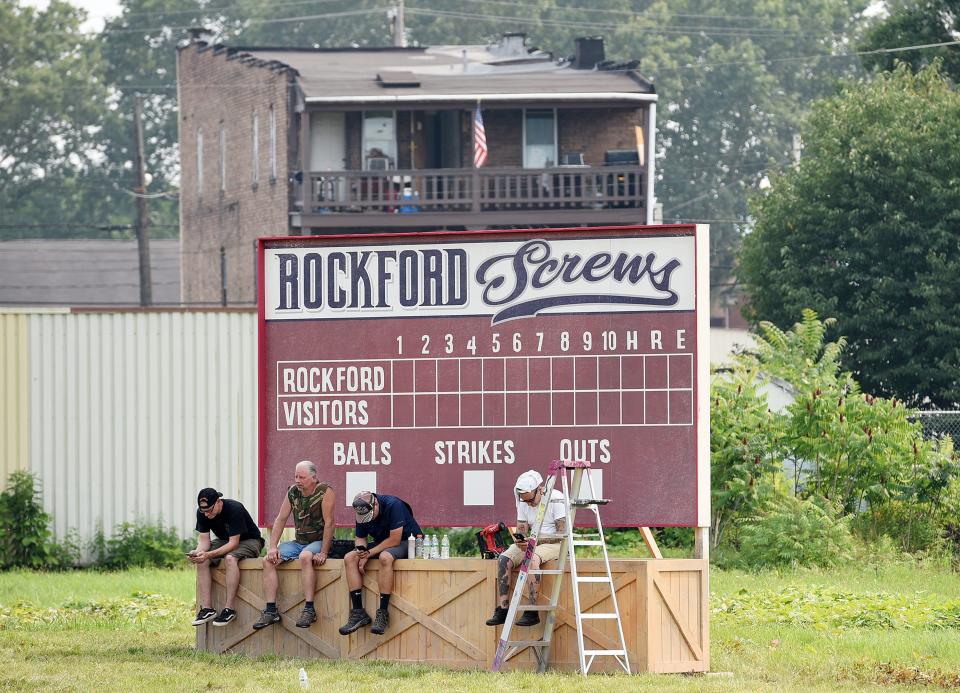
{"x": 584, "y": 502}
{"x": 587, "y": 542}
{"x": 597, "y": 616}
{"x": 528, "y": 643}
{"x": 545, "y": 571}
{"x": 605, "y": 653}
{"x": 536, "y": 607}
{"x": 594, "y": 579}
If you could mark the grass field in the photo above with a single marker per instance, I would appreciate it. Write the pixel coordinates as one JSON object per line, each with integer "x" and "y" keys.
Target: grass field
{"x": 852, "y": 628}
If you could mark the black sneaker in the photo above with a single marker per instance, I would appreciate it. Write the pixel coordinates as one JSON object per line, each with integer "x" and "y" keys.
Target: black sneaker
{"x": 499, "y": 617}
{"x": 267, "y": 618}
{"x": 380, "y": 622}
{"x": 307, "y": 616}
{"x": 529, "y": 618}
{"x": 205, "y": 614}
{"x": 225, "y": 617}
{"x": 358, "y": 619}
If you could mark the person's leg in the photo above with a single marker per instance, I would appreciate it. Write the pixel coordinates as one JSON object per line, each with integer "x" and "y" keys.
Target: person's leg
{"x": 533, "y": 580}
{"x": 358, "y": 615}
{"x": 308, "y": 572}
{"x": 204, "y": 584}
{"x": 385, "y": 576}
{"x": 508, "y": 560}
{"x": 231, "y": 567}
{"x": 269, "y": 582}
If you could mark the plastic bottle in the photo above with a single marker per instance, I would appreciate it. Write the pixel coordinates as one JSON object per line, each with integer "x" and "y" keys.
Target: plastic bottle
{"x": 411, "y": 546}
{"x": 419, "y": 544}
{"x": 445, "y": 547}
{"x": 434, "y": 547}
{"x": 304, "y": 681}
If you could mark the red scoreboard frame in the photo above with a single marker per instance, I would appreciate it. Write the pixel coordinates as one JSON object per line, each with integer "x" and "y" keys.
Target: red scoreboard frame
{"x": 439, "y": 366}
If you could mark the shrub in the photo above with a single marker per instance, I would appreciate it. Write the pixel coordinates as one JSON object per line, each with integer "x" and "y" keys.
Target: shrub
{"x": 140, "y": 544}
{"x": 25, "y": 537}
{"x": 796, "y": 532}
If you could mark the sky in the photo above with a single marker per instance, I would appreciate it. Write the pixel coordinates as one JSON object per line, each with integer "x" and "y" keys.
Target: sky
{"x": 97, "y": 10}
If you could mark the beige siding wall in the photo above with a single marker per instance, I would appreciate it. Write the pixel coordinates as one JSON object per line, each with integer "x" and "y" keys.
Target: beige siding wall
{"x": 129, "y": 414}
{"x": 14, "y": 394}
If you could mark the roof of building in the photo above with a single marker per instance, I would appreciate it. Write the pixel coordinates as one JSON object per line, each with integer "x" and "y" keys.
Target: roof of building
{"x": 85, "y": 272}
{"x": 505, "y": 70}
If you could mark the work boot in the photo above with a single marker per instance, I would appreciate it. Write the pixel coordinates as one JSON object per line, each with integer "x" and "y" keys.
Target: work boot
{"x": 267, "y": 618}
{"x": 358, "y": 619}
{"x": 307, "y": 616}
{"x": 499, "y": 617}
{"x": 380, "y": 622}
{"x": 529, "y": 618}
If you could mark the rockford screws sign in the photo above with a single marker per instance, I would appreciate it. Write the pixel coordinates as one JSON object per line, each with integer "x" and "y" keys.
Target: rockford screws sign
{"x": 438, "y": 367}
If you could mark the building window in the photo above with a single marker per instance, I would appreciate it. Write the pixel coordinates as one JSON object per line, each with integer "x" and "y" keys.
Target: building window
{"x": 539, "y": 137}
{"x": 199, "y": 162}
{"x": 223, "y": 157}
{"x": 379, "y": 140}
{"x": 255, "y": 131}
{"x": 273, "y": 144}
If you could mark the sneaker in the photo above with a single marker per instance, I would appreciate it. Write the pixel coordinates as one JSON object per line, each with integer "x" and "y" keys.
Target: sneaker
{"x": 205, "y": 614}
{"x": 225, "y": 617}
{"x": 267, "y": 618}
{"x": 307, "y": 616}
{"x": 499, "y": 617}
{"x": 529, "y": 618}
{"x": 380, "y": 622}
{"x": 358, "y": 618}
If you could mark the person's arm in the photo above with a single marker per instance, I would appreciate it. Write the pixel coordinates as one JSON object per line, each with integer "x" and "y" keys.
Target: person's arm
{"x": 327, "y": 507}
{"x": 561, "y": 525}
{"x": 203, "y": 544}
{"x": 393, "y": 539}
{"x": 222, "y": 551}
{"x": 273, "y": 555}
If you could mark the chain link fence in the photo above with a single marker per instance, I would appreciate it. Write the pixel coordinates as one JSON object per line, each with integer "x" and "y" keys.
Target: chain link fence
{"x": 936, "y": 424}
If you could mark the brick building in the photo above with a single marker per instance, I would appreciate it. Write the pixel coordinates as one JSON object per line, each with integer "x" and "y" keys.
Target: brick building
{"x": 278, "y": 141}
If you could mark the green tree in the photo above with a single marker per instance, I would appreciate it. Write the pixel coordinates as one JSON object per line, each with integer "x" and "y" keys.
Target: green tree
{"x": 51, "y": 117}
{"x": 916, "y": 24}
{"x": 867, "y": 228}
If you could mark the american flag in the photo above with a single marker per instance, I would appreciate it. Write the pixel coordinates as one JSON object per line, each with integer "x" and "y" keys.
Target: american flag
{"x": 479, "y": 140}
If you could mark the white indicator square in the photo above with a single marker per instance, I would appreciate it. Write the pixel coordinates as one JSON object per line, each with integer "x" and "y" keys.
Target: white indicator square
{"x": 478, "y": 487}
{"x": 358, "y": 482}
{"x": 596, "y": 476}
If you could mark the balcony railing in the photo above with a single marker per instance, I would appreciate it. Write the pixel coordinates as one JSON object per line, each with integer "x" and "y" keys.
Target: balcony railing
{"x": 473, "y": 191}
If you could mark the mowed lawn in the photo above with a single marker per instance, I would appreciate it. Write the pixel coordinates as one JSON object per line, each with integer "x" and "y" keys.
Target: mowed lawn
{"x": 852, "y": 628}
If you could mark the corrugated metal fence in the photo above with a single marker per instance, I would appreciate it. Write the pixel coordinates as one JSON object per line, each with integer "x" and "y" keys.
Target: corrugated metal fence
{"x": 124, "y": 415}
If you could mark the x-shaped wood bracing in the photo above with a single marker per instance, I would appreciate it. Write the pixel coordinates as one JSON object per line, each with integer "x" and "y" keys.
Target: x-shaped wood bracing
{"x": 670, "y": 601}
{"x": 283, "y": 606}
{"x": 414, "y": 614}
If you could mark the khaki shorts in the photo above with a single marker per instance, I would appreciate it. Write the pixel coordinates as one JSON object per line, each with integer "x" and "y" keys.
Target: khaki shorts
{"x": 247, "y": 548}
{"x": 546, "y": 552}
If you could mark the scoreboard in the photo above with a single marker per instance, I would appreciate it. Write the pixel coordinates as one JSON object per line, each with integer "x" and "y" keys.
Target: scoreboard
{"x": 439, "y": 366}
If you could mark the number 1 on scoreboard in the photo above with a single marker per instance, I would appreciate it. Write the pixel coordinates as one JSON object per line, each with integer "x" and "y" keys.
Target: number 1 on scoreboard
{"x": 400, "y": 344}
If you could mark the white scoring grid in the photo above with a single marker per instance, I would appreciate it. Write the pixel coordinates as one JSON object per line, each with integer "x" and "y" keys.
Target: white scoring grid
{"x": 682, "y": 361}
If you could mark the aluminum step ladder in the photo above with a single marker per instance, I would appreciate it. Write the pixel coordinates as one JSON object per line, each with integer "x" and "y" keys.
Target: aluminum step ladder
{"x": 506, "y": 648}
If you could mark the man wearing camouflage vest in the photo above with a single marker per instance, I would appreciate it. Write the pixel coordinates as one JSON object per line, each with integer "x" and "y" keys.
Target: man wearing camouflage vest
{"x": 312, "y": 504}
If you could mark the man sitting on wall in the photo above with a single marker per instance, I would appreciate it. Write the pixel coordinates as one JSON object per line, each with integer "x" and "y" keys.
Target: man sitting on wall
{"x": 312, "y": 504}
{"x": 529, "y": 491}
{"x": 389, "y": 521}
{"x": 238, "y": 537}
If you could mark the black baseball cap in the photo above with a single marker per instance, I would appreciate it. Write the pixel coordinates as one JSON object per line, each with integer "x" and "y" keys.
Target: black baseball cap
{"x": 207, "y": 497}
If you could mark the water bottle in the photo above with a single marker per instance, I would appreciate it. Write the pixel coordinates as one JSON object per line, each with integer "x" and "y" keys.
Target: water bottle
{"x": 419, "y": 551}
{"x": 411, "y": 546}
{"x": 304, "y": 681}
{"x": 434, "y": 547}
{"x": 445, "y": 547}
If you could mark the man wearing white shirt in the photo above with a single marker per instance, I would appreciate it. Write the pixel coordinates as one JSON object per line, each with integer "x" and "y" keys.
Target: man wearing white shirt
{"x": 529, "y": 491}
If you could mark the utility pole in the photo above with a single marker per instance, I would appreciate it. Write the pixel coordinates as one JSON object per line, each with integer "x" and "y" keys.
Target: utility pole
{"x": 142, "y": 222}
{"x": 399, "y": 32}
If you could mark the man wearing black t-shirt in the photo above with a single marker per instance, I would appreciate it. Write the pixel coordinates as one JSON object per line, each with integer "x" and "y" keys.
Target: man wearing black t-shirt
{"x": 389, "y": 521}
{"x": 237, "y": 537}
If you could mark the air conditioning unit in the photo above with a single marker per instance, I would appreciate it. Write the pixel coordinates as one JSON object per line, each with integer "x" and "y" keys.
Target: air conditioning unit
{"x": 378, "y": 163}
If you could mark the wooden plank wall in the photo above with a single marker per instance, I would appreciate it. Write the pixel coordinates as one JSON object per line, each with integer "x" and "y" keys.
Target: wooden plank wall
{"x": 438, "y": 609}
